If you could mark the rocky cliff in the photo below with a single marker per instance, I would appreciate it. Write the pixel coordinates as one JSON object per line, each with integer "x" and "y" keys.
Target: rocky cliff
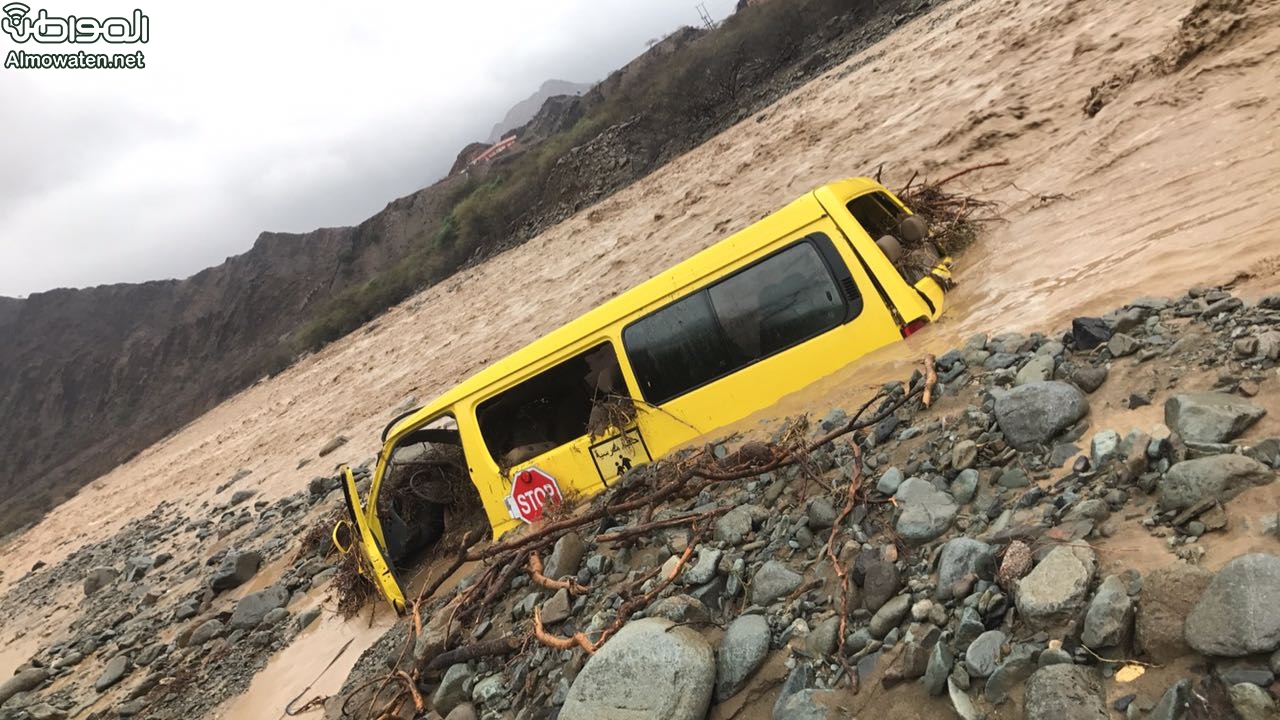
{"x": 523, "y": 111}
{"x": 92, "y": 376}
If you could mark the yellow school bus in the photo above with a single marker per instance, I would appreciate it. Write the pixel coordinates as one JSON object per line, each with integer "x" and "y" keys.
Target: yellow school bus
{"x": 759, "y": 315}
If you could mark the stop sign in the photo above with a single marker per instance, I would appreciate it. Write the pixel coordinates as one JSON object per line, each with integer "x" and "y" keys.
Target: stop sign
{"x": 531, "y": 490}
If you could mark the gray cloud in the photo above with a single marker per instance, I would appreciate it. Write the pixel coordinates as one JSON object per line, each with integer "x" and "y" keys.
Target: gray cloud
{"x": 251, "y": 118}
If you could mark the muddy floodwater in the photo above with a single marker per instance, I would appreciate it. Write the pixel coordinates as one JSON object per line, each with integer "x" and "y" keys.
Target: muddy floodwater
{"x": 1174, "y": 182}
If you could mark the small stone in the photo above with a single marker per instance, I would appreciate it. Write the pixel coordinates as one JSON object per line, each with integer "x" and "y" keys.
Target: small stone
{"x": 704, "y": 569}
{"x": 773, "y": 581}
{"x": 566, "y": 557}
{"x": 926, "y": 512}
{"x": 22, "y": 681}
{"x": 113, "y": 672}
{"x": 961, "y": 557}
{"x": 1057, "y": 588}
{"x": 1065, "y": 692}
{"x": 888, "y": 616}
{"x": 734, "y": 526}
{"x": 1252, "y": 702}
{"x": 742, "y": 651}
{"x": 557, "y": 609}
{"x": 880, "y": 580}
{"x": 1089, "y": 332}
{"x": 965, "y": 486}
{"x": 821, "y": 513}
{"x": 823, "y": 639}
{"x": 983, "y": 655}
{"x": 1168, "y": 595}
{"x": 964, "y": 454}
{"x": 1110, "y": 615}
{"x": 1089, "y": 378}
{"x": 1121, "y": 345}
{"x": 939, "y": 669}
{"x": 235, "y": 570}
{"x": 333, "y": 444}
{"x": 240, "y": 496}
{"x": 890, "y": 481}
{"x": 252, "y": 609}
{"x": 209, "y": 630}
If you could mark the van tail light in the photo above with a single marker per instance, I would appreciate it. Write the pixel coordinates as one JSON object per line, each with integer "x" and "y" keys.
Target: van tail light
{"x": 913, "y": 327}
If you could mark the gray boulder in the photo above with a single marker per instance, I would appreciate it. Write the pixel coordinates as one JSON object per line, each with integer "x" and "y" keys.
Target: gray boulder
{"x": 1217, "y": 476}
{"x": 253, "y": 608}
{"x": 962, "y": 557}
{"x": 1210, "y": 417}
{"x": 1252, "y": 702}
{"x": 743, "y": 649}
{"x": 1064, "y": 692}
{"x": 888, "y": 616}
{"x": 1033, "y": 414}
{"x": 1239, "y": 613}
{"x": 651, "y": 668}
{"x": 773, "y": 581}
{"x": 1055, "y": 591}
{"x": 926, "y": 512}
{"x": 1110, "y": 615}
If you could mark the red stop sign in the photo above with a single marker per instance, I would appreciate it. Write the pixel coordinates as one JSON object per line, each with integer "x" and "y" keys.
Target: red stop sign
{"x": 531, "y": 491}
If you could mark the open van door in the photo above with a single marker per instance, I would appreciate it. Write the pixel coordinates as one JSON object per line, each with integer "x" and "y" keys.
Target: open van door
{"x": 371, "y": 556}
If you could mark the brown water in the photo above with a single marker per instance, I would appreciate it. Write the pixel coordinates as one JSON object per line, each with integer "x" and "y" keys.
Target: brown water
{"x": 1173, "y": 184}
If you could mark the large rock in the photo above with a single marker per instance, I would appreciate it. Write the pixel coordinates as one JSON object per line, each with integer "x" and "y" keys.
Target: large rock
{"x": 1054, "y": 592}
{"x": 1033, "y": 414}
{"x": 98, "y": 578}
{"x": 1252, "y": 702}
{"x": 963, "y": 558}
{"x": 651, "y": 668}
{"x": 926, "y": 512}
{"x": 253, "y": 608}
{"x": 743, "y": 649}
{"x": 888, "y": 616}
{"x": 1217, "y": 476}
{"x": 1239, "y": 613}
{"x": 1168, "y": 594}
{"x": 773, "y": 581}
{"x": 983, "y": 655}
{"x": 1065, "y": 692}
{"x": 1210, "y": 417}
{"x": 452, "y": 690}
{"x": 810, "y": 704}
{"x": 25, "y": 681}
{"x": 566, "y": 557}
{"x": 1110, "y": 615}
{"x": 880, "y": 579}
{"x": 235, "y": 570}
{"x": 207, "y": 631}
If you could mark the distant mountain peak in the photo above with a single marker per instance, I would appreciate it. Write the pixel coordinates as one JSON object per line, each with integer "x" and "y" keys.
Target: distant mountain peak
{"x": 523, "y": 111}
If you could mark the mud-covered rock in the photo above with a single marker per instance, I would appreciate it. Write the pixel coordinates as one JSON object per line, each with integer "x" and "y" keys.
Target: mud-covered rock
{"x": 742, "y": 650}
{"x": 1168, "y": 595}
{"x": 1065, "y": 692}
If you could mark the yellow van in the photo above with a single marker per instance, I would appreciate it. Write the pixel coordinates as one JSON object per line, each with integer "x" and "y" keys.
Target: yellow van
{"x": 760, "y": 314}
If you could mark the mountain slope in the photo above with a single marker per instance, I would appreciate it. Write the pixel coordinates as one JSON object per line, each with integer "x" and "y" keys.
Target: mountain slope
{"x": 523, "y": 111}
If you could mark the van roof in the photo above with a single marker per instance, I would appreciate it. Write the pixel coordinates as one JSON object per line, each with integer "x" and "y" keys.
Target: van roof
{"x": 568, "y": 338}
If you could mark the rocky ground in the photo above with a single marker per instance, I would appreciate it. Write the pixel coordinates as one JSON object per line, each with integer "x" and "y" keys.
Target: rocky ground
{"x": 1008, "y": 555}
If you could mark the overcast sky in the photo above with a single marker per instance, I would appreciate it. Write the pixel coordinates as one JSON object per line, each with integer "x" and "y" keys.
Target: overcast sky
{"x": 282, "y": 117}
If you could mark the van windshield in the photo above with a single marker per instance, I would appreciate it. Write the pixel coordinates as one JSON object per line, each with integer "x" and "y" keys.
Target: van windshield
{"x": 762, "y": 310}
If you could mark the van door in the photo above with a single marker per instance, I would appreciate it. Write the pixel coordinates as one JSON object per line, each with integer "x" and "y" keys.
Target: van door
{"x": 372, "y": 555}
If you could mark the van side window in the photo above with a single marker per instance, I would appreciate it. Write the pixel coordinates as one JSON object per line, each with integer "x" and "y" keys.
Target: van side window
{"x": 549, "y": 409}
{"x": 876, "y": 213}
{"x": 777, "y": 303}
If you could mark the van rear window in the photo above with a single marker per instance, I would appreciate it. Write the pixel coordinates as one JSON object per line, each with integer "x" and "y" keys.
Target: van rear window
{"x": 775, "y": 304}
